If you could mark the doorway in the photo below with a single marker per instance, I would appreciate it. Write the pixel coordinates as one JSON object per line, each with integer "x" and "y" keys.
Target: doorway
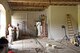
{"x": 2, "y": 21}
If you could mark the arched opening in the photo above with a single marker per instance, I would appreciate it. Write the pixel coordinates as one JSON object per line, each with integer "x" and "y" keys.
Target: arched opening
{"x": 2, "y": 21}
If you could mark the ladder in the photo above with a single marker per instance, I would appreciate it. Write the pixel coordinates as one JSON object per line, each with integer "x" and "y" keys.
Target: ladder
{"x": 70, "y": 30}
{"x": 69, "y": 26}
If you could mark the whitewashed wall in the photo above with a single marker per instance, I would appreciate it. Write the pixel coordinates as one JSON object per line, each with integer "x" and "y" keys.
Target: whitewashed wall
{"x": 29, "y": 17}
{"x": 6, "y": 16}
{"x": 79, "y": 18}
{"x": 57, "y": 17}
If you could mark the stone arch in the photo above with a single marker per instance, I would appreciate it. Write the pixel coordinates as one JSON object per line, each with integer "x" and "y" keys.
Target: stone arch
{"x": 2, "y": 21}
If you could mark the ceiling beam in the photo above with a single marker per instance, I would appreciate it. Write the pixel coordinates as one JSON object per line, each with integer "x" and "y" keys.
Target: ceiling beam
{"x": 36, "y": 5}
{"x": 30, "y": 1}
{"x": 28, "y": 4}
{"x": 65, "y": 0}
{"x": 28, "y": 9}
{"x": 43, "y": 0}
{"x": 23, "y": 7}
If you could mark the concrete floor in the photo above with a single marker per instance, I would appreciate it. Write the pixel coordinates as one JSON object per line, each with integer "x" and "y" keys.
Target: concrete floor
{"x": 39, "y": 46}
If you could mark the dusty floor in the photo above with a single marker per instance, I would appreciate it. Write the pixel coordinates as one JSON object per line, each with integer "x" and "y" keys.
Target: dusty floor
{"x": 39, "y": 46}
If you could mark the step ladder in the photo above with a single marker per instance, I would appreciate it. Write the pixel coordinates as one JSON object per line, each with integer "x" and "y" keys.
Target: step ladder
{"x": 69, "y": 26}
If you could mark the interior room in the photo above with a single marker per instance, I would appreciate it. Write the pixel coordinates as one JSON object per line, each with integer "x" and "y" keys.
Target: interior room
{"x": 40, "y": 26}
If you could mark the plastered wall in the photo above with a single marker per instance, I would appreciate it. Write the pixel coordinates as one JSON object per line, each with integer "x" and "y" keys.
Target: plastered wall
{"x": 29, "y": 17}
{"x": 8, "y": 12}
{"x": 79, "y": 18}
{"x": 57, "y": 17}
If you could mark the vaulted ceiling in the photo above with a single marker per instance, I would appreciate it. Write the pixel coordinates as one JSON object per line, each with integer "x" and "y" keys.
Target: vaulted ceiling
{"x": 38, "y": 5}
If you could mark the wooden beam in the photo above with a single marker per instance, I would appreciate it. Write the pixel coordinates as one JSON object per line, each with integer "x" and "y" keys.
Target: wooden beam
{"x": 30, "y": 1}
{"x": 74, "y": 3}
{"x": 39, "y": 4}
{"x": 43, "y": 0}
{"x": 28, "y": 4}
{"x": 23, "y": 7}
{"x": 65, "y": 0}
{"x": 27, "y": 9}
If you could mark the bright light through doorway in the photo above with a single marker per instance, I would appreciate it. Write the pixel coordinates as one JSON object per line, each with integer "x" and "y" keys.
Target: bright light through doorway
{"x": 2, "y": 20}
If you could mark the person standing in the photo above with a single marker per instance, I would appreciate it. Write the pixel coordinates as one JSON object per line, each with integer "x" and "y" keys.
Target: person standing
{"x": 38, "y": 24}
{"x": 18, "y": 31}
{"x": 15, "y": 34}
{"x": 10, "y": 36}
